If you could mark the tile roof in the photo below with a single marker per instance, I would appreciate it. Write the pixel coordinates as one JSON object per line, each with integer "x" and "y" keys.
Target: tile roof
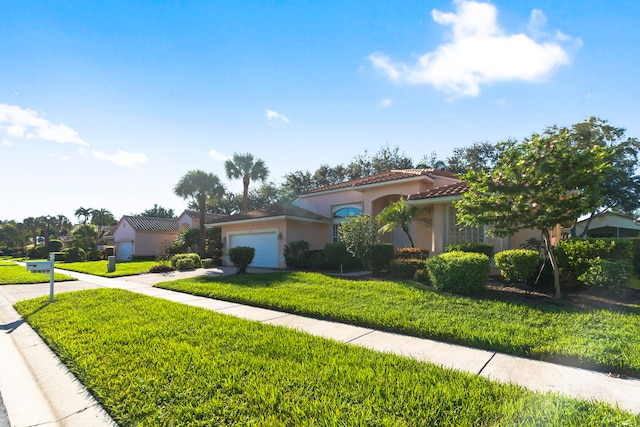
{"x": 208, "y": 217}
{"x": 272, "y": 212}
{"x": 446, "y": 191}
{"x": 147, "y": 223}
{"x": 387, "y": 176}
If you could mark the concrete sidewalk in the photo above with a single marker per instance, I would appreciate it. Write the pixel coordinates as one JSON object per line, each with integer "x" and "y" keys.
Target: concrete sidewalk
{"x": 38, "y": 390}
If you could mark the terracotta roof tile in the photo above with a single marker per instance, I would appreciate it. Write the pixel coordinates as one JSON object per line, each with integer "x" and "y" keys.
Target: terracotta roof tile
{"x": 387, "y": 176}
{"x": 447, "y": 191}
{"x": 271, "y": 212}
{"x": 147, "y": 223}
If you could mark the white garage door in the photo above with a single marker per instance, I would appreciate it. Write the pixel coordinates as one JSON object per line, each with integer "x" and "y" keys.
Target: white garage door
{"x": 124, "y": 251}
{"x": 265, "y": 244}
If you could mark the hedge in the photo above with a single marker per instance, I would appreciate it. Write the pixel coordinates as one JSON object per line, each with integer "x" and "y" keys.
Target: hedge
{"x": 458, "y": 272}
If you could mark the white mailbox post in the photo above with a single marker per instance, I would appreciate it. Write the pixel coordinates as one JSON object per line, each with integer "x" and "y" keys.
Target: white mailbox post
{"x": 44, "y": 267}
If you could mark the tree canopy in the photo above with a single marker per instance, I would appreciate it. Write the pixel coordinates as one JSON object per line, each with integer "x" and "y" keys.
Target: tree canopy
{"x": 244, "y": 166}
{"x": 548, "y": 179}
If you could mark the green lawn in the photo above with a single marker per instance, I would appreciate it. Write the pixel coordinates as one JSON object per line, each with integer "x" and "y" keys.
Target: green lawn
{"x": 14, "y": 274}
{"x": 99, "y": 268}
{"x": 152, "y": 362}
{"x": 598, "y": 339}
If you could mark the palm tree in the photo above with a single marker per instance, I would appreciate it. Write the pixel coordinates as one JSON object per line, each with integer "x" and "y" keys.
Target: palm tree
{"x": 199, "y": 186}
{"x": 242, "y": 165}
{"x": 46, "y": 222}
{"x": 397, "y": 215}
{"x": 85, "y": 213}
{"x": 101, "y": 217}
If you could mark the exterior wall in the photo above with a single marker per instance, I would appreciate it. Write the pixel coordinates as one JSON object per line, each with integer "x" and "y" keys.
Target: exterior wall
{"x": 147, "y": 243}
{"x": 185, "y": 222}
{"x": 316, "y": 234}
{"x": 124, "y": 232}
{"x": 323, "y": 203}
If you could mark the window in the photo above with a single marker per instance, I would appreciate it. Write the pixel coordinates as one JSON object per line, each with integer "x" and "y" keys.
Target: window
{"x": 462, "y": 234}
{"x": 340, "y": 214}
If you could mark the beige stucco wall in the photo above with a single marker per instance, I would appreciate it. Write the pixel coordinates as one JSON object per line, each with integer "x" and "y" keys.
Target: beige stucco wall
{"x": 323, "y": 203}
{"x": 147, "y": 243}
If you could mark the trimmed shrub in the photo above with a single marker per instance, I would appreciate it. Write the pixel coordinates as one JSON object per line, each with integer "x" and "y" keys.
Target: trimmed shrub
{"x": 380, "y": 256}
{"x": 518, "y": 265}
{"x": 294, "y": 254}
{"x": 336, "y": 256}
{"x": 606, "y": 273}
{"x": 411, "y": 253}
{"x": 55, "y": 245}
{"x": 160, "y": 269}
{"x": 37, "y": 252}
{"x": 59, "y": 256}
{"x": 241, "y": 257}
{"x": 75, "y": 255}
{"x": 575, "y": 255}
{"x": 405, "y": 269}
{"x": 186, "y": 261}
{"x": 480, "y": 248}
{"x": 94, "y": 254}
{"x": 208, "y": 263}
{"x": 422, "y": 276}
{"x": 458, "y": 272}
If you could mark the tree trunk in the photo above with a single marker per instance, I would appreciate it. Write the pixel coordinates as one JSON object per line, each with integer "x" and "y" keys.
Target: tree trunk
{"x": 202, "y": 207}
{"x": 554, "y": 262}
{"x": 245, "y": 193}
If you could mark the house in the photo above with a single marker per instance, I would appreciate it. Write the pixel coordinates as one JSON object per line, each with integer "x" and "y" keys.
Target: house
{"x": 142, "y": 236}
{"x": 315, "y": 216}
{"x": 607, "y": 224}
{"x": 191, "y": 219}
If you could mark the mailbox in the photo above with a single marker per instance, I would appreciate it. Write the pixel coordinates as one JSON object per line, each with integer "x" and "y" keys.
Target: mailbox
{"x": 39, "y": 267}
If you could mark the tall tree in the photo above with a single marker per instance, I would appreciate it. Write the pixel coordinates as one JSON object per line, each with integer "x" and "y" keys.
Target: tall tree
{"x": 548, "y": 179}
{"x": 31, "y": 224}
{"x": 102, "y": 218}
{"x": 47, "y": 224}
{"x": 199, "y": 186}
{"x": 62, "y": 225}
{"x": 243, "y": 166}
{"x": 83, "y": 214}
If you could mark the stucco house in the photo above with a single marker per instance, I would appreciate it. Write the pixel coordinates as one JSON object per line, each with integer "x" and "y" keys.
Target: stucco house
{"x": 315, "y": 216}
{"x": 191, "y": 219}
{"x": 142, "y": 236}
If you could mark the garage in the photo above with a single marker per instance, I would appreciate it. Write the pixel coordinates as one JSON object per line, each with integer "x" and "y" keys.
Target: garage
{"x": 265, "y": 244}
{"x": 124, "y": 251}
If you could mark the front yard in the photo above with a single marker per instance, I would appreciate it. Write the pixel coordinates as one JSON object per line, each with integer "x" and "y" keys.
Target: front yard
{"x": 154, "y": 362}
{"x": 600, "y": 339}
{"x": 14, "y": 274}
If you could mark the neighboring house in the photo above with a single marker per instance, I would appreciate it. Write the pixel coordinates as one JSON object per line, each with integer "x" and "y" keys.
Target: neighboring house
{"x": 105, "y": 236}
{"x": 142, "y": 236}
{"x": 191, "y": 219}
{"x": 315, "y": 216}
{"x": 607, "y": 224}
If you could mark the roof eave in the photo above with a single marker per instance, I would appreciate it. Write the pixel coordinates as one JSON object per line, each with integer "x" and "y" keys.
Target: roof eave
{"x": 268, "y": 218}
{"x": 426, "y": 178}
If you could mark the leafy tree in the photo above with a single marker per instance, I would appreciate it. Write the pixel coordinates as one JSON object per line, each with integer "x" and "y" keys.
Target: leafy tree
{"x": 102, "y": 218}
{"x": 431, "y": 161}
{"x": 32, "y": 225}
{"x": 298, "y": 182}
{"x": 479, "y": 156}
{"x": 397, "y": 215}
{"x": 199, "y": 186}
{"x": 85, "y": 236}
{"x": 243, "y": 166}
{"x": 359, "y": 234}
{"x": 159, "y": 212}
{"x": 47, "y": 223}
{"x": 227, "y": 204}
{"x": 62, "y": 225}
{"x": 11, "y": 239}
{"x": 548, "y": 179}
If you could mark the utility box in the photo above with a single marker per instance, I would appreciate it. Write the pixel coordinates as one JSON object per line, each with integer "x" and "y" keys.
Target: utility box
{"x": 112, "y": 264}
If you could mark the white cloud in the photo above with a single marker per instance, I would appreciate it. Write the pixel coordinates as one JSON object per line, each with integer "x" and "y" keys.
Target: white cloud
{"x": 479, "y": 53}
{"x": 25, "y": 123}
{"x": 386, "y": 103}
{"x": 122, "y": 158}
{"x": 215, "y": 155}
{"x": 272, "y": 116}
{"x": 6, "y": 142}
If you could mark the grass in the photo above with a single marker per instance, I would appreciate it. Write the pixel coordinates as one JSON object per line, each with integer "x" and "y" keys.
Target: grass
{"x": 152, "y": 362}
{"x": 598, "y": 339}
{"x": 634, "y": 283}
{"x": 14, "y": 274}
{"x": 99, "y": 268}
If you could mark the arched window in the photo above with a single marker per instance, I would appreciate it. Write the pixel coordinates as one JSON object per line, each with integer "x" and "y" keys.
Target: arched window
{"x": 340, "y": 214}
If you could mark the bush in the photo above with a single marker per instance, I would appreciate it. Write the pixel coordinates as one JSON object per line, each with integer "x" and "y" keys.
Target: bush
{"x": 55, "y": 245}
{"x": 75, "y": 255}
{"x": 412, "y": 253}
{"x": 94, "y": 254}
{"x": 37, "y": 252}
{"x": 336, "y": 257}
{"x": 241, "y": 257}
{"x": 480, "y": 248}
{"x": 160, "y": 269}
{"x": 59, "y": 256}
{"x": 294, "y": 254}
{"x": 380, "y": 256}
{"x": 186, "y": 261}
{"x": 459, "y": 272}
{"x": 422, "y": 276}
{"x": 605, "y": 273}
{"x": 575, "y": 255}
{"x": 405, "y": 269}
{"x": 518, "y": 265}
{"x": 208, "y": 263}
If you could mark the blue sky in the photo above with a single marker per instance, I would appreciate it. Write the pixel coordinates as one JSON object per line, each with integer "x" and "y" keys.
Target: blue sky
{"x": 108, "y": 104}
